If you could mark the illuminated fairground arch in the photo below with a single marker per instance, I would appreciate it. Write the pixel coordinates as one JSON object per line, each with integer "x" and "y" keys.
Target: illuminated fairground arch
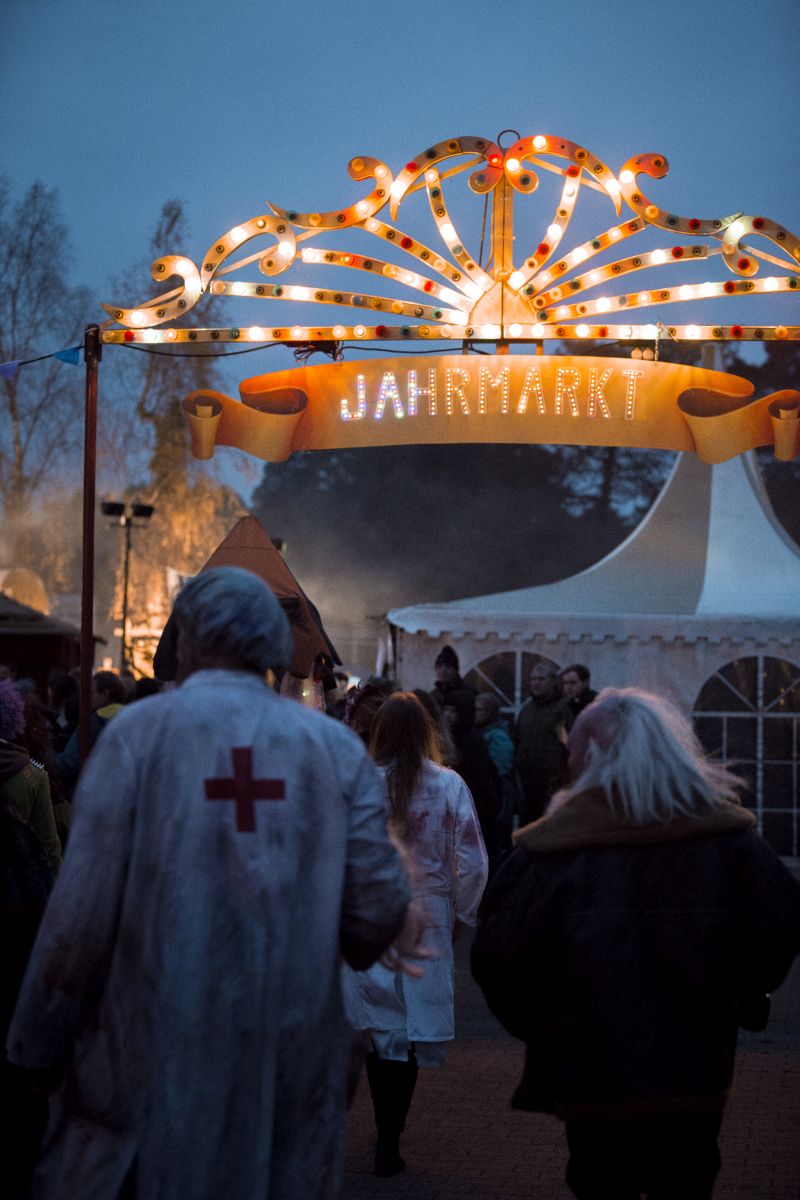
{"x": 611, "y": 285}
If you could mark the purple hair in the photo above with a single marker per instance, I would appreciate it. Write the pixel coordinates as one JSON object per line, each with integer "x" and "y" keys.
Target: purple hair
{"x": 12, "y": 711}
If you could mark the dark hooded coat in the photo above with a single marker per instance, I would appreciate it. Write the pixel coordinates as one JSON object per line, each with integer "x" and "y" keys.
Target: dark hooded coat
{"x": 626, "y": 957}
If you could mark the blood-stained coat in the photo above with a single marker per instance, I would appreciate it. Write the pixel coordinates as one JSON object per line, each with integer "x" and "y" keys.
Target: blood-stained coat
{"x": 448, "y": 870}
{"x": 187, "y": 967}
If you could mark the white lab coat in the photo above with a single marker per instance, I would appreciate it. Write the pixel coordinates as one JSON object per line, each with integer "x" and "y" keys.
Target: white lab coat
{"x": 187, "y": 968}
{"x": 448, "y": 870}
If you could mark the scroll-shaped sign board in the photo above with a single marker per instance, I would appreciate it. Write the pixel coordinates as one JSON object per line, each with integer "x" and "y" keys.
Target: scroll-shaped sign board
{"x": 555, "y": 400}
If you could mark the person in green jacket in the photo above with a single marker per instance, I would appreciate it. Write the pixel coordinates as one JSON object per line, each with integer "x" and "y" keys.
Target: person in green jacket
{"x": 24, "y": 785}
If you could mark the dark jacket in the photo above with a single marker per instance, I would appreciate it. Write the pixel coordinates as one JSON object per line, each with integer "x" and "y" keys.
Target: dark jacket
{"x": 576, "y": 705}
{"x": 626, "y": 957}
{"x": 540, "y": 755}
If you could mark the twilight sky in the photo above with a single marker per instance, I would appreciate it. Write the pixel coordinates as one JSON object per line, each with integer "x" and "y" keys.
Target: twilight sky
{"x": 122, "y": 105}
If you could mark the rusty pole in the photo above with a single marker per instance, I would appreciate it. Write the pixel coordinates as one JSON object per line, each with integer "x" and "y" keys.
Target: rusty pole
{"x": 92, "y": 353}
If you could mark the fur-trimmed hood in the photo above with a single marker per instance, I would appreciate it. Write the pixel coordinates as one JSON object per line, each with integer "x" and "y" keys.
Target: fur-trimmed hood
{"x": 587, "y": 820}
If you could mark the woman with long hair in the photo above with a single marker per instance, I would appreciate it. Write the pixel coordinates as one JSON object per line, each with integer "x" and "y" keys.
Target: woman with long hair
{"x": 431, "y": 814}
{"x": 636, "y": 925}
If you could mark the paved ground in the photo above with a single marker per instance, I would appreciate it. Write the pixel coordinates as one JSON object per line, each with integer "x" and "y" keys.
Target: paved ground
{"x": 463, "y": 1142}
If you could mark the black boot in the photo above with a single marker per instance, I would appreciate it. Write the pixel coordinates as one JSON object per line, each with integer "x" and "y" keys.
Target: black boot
{"x": 391, "y": 1086}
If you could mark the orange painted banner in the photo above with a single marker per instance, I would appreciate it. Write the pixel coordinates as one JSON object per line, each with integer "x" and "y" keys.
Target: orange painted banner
{"x": 552, "y": 400}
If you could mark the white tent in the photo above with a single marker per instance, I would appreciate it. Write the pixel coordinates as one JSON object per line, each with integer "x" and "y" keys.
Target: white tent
{"x": 699, "y": 603}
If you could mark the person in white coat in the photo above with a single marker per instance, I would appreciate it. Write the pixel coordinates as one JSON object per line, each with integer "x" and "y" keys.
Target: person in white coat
{"x": 410, "y": 1020}
{"x": 183, "y": 995}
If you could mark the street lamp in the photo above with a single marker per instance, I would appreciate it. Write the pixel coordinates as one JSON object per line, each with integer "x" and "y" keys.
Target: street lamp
{"x": 128, "y": 516}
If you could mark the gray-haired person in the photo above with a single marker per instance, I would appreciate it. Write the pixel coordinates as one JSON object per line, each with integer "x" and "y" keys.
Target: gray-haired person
{"x": 634, "y": 928}
{"x": 183, "y": 994}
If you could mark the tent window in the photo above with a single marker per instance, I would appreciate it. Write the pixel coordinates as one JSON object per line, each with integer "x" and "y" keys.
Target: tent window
{"x": 748, "y": 715}
{"x": 508, "y": 674}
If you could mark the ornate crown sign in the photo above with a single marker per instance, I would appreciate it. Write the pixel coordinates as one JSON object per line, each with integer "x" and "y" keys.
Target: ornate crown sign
{"x": 577, "y": 292}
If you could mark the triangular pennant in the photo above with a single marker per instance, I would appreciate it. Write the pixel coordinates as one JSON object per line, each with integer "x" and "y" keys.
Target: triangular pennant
{"x": 71, "y": 355}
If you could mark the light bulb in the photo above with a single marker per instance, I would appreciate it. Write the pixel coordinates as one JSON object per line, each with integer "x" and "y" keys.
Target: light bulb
{"x": 237, "y": 234}
{"x": 554, "y": 232}
{"x": 238, "y": 289}
{"x": 360, "y": 331}
{"x": 736, "y": 230}
{"x": 582, "y": 331}
{"x": 472, "y": 290}
{"x": 285, "y": 249}
{"x": 685, "y": 292}
{"x": 580, "y": 255}
{"x": 516, "y": 279}
{"x": 692, "y": 331}
{"x": 626, "y": 177}
{"x": 708, "y": 289}
{"x": 137, "y": 317}
{"x": 339, "y": 331}
{"x": 362, "y": 208}
{"x": 447, "y": 231}
{"x": 255, "y": 333}
{"x": 658, "y": 256}
{"x": 372, "y": 225}
{"x": 515, "y": 330}
{"x": 643, "y": 297}
{"x": 512, "y": 164}
{"x": 614, "y": 234}
{"x": 537, "y": 330}
{"x": 603, "y": 304}
{"x": 770, "y": 284}
{"x": 539, "y": 142}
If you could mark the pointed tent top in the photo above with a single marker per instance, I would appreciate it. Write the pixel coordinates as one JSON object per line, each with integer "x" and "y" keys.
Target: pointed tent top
{"x": 710, "y": 545}
{"x": 249, "y": 545}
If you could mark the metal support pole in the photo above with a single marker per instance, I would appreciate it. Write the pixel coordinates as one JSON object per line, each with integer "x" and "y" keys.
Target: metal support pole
{"x": 92, "y": 353}
{"x": 123, "y": 650}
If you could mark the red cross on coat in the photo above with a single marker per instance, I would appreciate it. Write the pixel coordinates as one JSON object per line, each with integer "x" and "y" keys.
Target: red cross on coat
{"x": 244, "y": 789}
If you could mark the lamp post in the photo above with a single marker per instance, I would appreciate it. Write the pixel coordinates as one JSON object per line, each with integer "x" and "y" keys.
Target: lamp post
{"x": 127, "y": 516}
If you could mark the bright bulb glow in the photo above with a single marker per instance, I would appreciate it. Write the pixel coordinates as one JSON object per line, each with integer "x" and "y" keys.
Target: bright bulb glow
{"x": 736, "y": 230}
{"x": 171, "y": 335}
{"x": 545, "y": 278}
{"x": 310, "y": 256}
{"x": 447, "y": 231}
{"x": 686, "y": 292}
{"x": 658, "y": 256}
{"x": 562, "y": 312}
{"x": 237, "y": 234}
{"x": 771, "y": 284}
{"x": 409, "y": 277}
{"x": 183, "y": 266}
{"x": 539, "y": 142}
{"x": 150, "y": 335}
{"x": 708, "y": 289}
{"x": 643, "y": 297}
{"x": 431, "y": 176}
{"x": 397, "y": 188}
{"x": 692, "y": 331}
{"x": 439, "y": 264}
{"x": 554, "y": 232}
{"x": 516, "y": 279}
{"x": 490, "y": 331}
{"x": 537, "y": 330}
{"x": 137, "y": 317}
{"x": 285, "y": 249}
{"x": 339, "y": 331}
{"x": 580, "y": 255}
{"x": 362, "y": 208}
{"x": 626, "y": 177}
{"x": 595, "y": 276}
{"x": 380, "y": 172}
{"x": 460, "y": 318}
{"x": 389, "y": 269}
{"x": 238, "y": 289}
{"x": 472, "y": 290}
{"x": 360, "y": 331}
{"x": 650, "y": 331}
{"x": 372, "y": 225}
{"x": 298, "y": 331}
{"x": 256, "y": 333}
{"x": 515, "y": 330}
{"x": 297, "y": 293}
{"x": 512, "y": 164}
{"x": 603, "y": 304}
{"x": 615, "y": 234}
{"x": 613, "y": 187}
{"x": 582, "y": 331}
{"x": 569, "y": 192}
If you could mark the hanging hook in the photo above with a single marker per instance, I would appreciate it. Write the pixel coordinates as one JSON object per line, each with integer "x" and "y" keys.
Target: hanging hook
{"x": 517, "y": 137}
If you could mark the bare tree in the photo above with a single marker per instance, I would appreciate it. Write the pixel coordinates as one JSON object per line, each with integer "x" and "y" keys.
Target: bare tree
{"x": 40, "y": 312}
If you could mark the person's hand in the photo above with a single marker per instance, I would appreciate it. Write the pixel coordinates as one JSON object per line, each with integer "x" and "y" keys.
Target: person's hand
{"x": 406, "y": 955}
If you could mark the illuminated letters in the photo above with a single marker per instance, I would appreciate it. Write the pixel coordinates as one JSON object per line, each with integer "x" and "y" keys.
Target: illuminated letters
{"x": 490, "y": 382}
{"x": 533, "y": 383}
{"x": 454, "y": 389}
{"x": 596, "y": 398}
{"x": 415, "y": 393}
{"x": 566, "y": 387}
{"x": 388, "y": 391}
{"x": 632, "y": 378}
{"x": 361, "y": 410}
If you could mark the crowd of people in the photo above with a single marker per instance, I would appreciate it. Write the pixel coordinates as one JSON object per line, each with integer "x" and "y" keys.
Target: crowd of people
{"x": 238, "y": 907}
